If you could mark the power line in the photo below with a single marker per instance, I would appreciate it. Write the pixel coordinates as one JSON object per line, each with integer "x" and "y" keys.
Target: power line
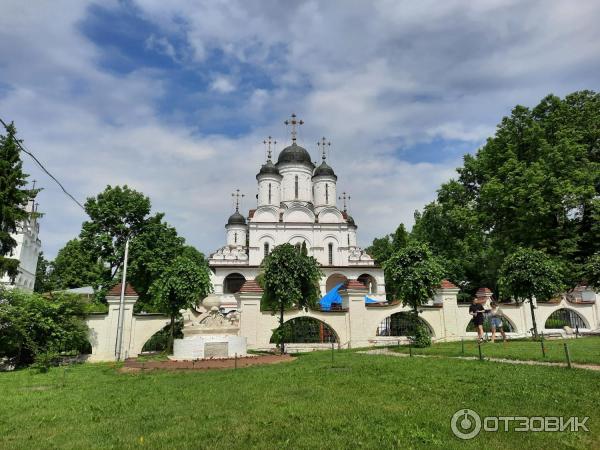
{"x": 44, "y": 169}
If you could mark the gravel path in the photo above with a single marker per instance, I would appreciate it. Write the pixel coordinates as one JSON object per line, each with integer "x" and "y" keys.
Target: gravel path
{"x": 387, "y": 352}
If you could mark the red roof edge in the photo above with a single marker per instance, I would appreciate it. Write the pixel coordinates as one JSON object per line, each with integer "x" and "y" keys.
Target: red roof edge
{"x": 355, "y": 284}
{"x": 116, "y": 290}
{"x": 251, "y": 286}
{"x": 445, "y": 284}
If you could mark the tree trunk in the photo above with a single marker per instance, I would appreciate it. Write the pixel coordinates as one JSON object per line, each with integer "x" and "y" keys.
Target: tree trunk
{"x": 171, "y": 336}
{"x": 535, "y": 332}
{"x": 281, "y": 338}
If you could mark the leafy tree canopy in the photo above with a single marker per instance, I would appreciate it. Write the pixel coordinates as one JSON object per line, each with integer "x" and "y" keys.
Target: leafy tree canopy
{"x": 528, "y": 273}
{"x": 33, "y": 325}
{"x": 42, "y": 275}
{"x": 289, "y": 278}
{"x": 534, "y": 184}
{"x": 75, "y": 267}
{"x": 413, "y": 275}
{"x": 180, "y": 286}
{"x": 382, "y": 248}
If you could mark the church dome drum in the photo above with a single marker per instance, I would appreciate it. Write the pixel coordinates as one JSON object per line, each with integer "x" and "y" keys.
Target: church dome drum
{"x": 295, "y": 154}
{"x": 268, "y": 169}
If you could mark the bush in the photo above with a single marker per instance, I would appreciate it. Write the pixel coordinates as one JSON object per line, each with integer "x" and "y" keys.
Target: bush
{"x": 33, "y": 327}
{"x": 421, "y": 338}
{"x": 44, "y": 360}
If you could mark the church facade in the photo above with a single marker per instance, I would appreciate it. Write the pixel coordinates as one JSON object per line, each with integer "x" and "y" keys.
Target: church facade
{"x": 297, "y": 203}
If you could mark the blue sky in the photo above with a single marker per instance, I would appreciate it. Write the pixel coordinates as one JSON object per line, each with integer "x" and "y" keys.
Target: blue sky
{"x": 175, "y": 98}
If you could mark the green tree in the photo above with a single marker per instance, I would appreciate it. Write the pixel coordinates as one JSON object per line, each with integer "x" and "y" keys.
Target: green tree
{"x": 591, "y": 271}
{"x": 33, "y": 325}
{"x": 75, "y": 267}
{"x": 13, "y": 199}
{"x": 529, "y": 273}
{"x": 413, "y": 275}
{"x": 289, "y": 278}
{"x": 180, "y": 286}
{"x": 42, "y": 275}
{"x": 151, "y": 252}
{"x": 115, "y": 214}
{"x": 382, "y": 248}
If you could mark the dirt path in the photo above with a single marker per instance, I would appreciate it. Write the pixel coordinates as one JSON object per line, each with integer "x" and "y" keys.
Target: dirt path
{"x": 387, "y": 352}
{"x": 132, "y": 365}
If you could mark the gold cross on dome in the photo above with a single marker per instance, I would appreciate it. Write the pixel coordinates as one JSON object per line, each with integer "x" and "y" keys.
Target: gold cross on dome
{"x": 237, "y": 197}
{"x": 323, "y": 144}
{"x": 294, "y": 122}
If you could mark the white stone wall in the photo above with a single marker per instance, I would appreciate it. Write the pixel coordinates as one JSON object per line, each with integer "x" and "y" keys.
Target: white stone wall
{"x": 137, "y": 329}
{"x": 357, "y": 326}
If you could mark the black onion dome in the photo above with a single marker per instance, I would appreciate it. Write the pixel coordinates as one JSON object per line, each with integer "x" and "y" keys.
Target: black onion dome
{"x": 236, "y": 219}
{"x": 268, "y": 169}
{"x": 324, "y": 170}
{"x": 295, "y": 154}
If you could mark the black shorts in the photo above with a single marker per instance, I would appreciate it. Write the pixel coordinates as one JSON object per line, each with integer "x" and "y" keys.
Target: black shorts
{"x": 478, "y": 320}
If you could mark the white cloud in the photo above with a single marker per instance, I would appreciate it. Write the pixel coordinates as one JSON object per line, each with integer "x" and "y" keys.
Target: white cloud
{"x": 371, "y": 76}
{"x": 222, "y": 84}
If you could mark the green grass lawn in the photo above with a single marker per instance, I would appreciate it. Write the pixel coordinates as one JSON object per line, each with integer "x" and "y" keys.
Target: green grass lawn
{"x": 362, "y": 401}
{"x": 585, "y": 350}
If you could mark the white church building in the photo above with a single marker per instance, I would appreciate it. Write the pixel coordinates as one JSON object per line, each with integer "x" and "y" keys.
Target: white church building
{"x": 297, "y": 203}
{"x": 27, "y": 251}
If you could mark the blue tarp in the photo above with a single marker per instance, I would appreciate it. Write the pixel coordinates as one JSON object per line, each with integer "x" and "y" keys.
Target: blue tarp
{"x": 331, "y": 297}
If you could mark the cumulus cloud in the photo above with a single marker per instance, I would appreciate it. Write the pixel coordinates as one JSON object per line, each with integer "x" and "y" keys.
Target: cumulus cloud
{"x": 377, "y": 78}
{"x": 222, "y": 84}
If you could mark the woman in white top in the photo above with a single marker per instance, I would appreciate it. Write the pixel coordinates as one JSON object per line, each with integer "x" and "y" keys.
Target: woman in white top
{"x": 496, "y": 321}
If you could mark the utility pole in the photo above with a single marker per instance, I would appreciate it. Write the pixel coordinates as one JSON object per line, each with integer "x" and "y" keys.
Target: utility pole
{"x": 119, "y": 343}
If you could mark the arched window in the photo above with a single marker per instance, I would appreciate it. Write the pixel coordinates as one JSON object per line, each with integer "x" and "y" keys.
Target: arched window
{"x": 235, "y": 238}
{"x": 296, "y": 187}
{"x": 266, "y": 247}
{"x": 269, "y": 193}
{"x": 564, "y": 318}
{"x": 233, "y": 282}
{"x": 326, "y": 193}
{"x": 401, "y": 324}
{"x": 348, "y": 239}
{"x": 330, "y": 247}
{"x": 306, "y": 330}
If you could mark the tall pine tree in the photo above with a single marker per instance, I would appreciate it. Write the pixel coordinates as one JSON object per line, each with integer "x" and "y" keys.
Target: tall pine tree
{"x": 13, "y": 199}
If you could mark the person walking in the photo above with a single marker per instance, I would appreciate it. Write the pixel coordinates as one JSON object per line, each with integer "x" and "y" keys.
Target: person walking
{"x": 476, "y": 310}
{"x": 496, "y": 321}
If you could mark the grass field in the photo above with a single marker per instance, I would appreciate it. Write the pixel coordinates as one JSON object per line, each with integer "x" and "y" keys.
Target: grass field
{"x": 585, "y": 350}
{"x": 361, "y": 401}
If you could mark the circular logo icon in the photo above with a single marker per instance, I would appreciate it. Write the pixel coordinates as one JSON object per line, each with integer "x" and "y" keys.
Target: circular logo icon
{"x": 465, "y": 424}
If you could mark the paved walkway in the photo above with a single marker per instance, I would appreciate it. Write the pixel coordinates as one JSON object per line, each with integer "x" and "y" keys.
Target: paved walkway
{"x": 387, "y": 352}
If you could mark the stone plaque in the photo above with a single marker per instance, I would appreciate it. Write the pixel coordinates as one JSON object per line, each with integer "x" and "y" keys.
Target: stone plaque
{"x": 216, "y": 350}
